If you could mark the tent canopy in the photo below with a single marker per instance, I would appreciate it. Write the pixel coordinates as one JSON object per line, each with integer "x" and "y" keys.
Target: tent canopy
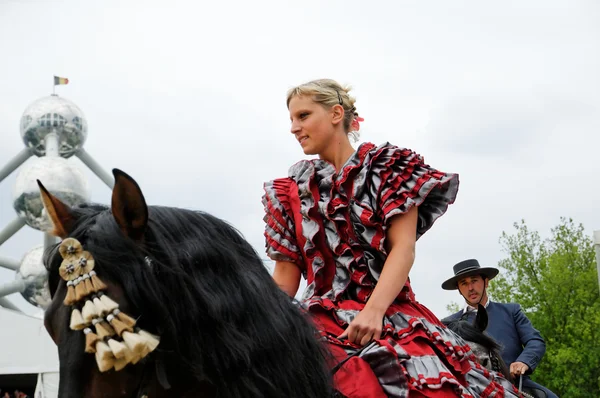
{"x": 25, "y": 346}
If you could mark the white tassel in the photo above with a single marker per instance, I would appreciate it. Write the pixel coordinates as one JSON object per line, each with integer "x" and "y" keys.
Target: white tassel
{"x": 100, "y": 307}
{"x": 150, "y": 341}
{"x": 104, "y": 356}
{"x": 135, "y": 359}
{"x": 134, "y": 342}
{"x": 103, "y": 351}
{"x": 120, "y": 363}
{"x": 118, "y": 349}
{"x": 128, "y": 355}
{"x": 109, "y": 304}
{"x": 77, "y": 322}
{"x": 89, "y": 311}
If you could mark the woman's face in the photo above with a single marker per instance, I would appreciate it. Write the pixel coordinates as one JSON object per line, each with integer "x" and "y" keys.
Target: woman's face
{"x": 313, "y": 126}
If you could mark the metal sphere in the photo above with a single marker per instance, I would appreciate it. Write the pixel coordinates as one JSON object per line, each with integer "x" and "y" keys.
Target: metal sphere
{"x": 53, "y": 114}
{"x": 35, "y": 278}
{"x": 60, "y": 177}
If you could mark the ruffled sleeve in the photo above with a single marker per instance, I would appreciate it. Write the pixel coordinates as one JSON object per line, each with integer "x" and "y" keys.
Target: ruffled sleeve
{"x": 403, "y": 180}
{"x": 280, "y": 237}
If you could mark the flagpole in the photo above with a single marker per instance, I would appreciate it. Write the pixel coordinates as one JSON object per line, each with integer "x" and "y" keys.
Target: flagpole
{"x": 53, "y": 86}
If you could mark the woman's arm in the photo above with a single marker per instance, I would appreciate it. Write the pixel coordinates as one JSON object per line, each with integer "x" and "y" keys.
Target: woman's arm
{"x": 401, "y": 238}
{"x": 287, "y": 276}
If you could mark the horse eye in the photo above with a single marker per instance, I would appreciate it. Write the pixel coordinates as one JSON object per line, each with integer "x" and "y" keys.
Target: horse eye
{"x": 484, "y": 362}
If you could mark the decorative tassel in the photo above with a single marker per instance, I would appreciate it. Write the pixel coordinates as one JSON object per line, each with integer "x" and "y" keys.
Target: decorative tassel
{"x": 108, "y": 303}
{"x": 100, "y": 306}
{"x": 150, "y": 341}
{"x": 135, "y": 358}
{"x": 105, "y": 364}
{"x": 70, "y": 297}
{"x": 91, "y": 339}
{"x": 88, "y": 285}
{"x": 118, "y": 348}
{"x": 129, "y": 355}
{"x": 134, "y": 342}
{"x": 103, "y": 329}
{"x": 126, "y": 319}
{"x": 104, "y": 356}
{"x": 96, "y": 282}
{"x": 80, "y": 292}
{"x": 89, "y": 311}
{"x": 103, "y": 351}
{"x": 120, "y": 363}
{"x": 77, "y": 322}
{"x": 119, "y": 326}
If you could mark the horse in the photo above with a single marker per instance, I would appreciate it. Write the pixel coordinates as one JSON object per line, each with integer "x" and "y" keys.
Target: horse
{"x": 152, "y": 301}
{"x": 485, "y": 348}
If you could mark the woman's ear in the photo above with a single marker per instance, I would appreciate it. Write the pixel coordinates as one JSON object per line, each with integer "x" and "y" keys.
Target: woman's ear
{"x": 337, "y": 114}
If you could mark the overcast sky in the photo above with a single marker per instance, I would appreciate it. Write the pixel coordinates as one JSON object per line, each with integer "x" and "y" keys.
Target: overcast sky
{"x": 188, "y": 97}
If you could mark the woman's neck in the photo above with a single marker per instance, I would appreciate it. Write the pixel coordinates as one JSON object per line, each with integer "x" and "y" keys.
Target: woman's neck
{"x": 338, "y": 153}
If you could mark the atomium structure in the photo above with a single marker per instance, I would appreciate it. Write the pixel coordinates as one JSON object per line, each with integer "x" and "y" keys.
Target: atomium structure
{"x": 53, "y": 130}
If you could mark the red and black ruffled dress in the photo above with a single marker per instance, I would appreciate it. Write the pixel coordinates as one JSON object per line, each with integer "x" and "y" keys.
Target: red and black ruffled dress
{"x": 332, "y": 225}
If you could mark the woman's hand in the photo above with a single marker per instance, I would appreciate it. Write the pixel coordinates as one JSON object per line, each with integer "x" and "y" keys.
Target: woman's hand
{"x": 365, "y": 327}
{"x": 401, "y": 237}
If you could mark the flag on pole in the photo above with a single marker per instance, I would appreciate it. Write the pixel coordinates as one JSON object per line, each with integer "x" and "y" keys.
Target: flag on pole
{"x": 60, "y": 80}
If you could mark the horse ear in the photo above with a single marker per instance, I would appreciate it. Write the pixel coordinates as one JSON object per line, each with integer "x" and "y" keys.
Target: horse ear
{"x": 59, "y": 213}
{"x": 481, "y": 320}
{"x": 129, "y": 206}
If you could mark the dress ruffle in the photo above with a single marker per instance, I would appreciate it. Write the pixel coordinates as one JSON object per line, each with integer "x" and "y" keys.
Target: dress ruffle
{"x": 343, "y": 216}
{"x": 333, "y": 225}
{"x": 415, "y": 353}
{"x": 279, "y": 228}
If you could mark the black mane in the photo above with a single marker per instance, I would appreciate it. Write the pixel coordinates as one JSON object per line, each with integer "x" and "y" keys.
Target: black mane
{"x": 470, "y": 333}
{"x": 198, "y": 284}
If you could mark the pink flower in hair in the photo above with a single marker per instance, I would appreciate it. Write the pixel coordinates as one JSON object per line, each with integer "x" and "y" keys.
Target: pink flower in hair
{"x": 356, "y": 123}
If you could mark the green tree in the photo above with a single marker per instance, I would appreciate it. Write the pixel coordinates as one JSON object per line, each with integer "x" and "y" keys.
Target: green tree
{"x": 452, "y": 307}
{"x": 555, "y": 280}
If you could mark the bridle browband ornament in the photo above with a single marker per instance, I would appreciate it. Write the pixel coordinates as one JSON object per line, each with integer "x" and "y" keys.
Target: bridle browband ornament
{"x": 110, "y": 334}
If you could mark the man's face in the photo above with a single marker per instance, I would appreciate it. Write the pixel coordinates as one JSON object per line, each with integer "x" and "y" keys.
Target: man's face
{"x": 472, "y": 288}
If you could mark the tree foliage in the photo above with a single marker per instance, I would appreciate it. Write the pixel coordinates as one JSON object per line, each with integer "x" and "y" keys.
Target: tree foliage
{"x": 452, "y": 307}
{"x": 555, "y": 281}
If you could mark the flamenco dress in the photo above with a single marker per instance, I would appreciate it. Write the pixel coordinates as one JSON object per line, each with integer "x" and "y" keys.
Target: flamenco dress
{"x": 332, "y": 225}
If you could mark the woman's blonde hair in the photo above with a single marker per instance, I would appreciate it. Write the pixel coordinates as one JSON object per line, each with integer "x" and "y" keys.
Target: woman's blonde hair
{"x": 328, "y": 93}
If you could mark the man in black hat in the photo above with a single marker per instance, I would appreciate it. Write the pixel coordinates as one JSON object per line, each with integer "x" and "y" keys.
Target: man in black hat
{"x": 522, "y": 345}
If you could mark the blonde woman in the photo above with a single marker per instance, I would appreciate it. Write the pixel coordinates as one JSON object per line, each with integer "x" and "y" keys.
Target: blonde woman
{"x": 348, "y": 222}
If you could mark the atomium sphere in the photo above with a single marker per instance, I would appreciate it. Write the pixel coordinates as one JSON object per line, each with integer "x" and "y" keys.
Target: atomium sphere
{"x": 35, "y": 278}
{"x": 53, "y": 114}
{"x": 61, "y": 178}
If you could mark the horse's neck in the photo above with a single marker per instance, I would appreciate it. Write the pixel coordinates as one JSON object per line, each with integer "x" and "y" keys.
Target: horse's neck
{"x": 180, "y": 388}
{"x": 188, "y": 391}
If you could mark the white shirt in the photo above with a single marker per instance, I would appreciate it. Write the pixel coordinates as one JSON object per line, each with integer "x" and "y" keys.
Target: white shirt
{"x": 471, "y": 308}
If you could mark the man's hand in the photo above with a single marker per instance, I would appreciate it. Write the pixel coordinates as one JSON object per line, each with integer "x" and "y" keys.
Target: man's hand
{"x": 518, "y": 368}
{"x": 365, "y": 327}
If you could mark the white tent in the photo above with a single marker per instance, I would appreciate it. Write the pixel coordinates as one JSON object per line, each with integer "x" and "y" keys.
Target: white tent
{"x": 26, "y": 348}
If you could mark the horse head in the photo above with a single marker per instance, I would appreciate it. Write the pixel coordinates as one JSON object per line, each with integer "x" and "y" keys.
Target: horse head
{"x": 151, "y": 301}
{"x": 484, "y": 347}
